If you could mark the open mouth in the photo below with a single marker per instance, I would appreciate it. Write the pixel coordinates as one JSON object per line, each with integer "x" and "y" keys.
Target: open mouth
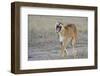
{"x": 58, "y": 28}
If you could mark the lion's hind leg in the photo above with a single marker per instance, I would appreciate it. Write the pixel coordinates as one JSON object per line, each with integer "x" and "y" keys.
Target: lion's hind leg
{"x": 73, "y": 45}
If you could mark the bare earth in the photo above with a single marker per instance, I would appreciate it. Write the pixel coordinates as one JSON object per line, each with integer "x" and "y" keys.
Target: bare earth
{"x": 53, "y": 52}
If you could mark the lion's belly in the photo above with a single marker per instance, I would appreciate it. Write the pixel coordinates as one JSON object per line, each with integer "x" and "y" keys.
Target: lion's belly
{"x": 62, "y": 38}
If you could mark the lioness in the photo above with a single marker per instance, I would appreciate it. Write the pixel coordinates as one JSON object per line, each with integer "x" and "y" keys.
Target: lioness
{"x": 66, "y": 33}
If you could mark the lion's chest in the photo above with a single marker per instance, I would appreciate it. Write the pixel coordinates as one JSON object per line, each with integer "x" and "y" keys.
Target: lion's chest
{"x": 61, "y": 38}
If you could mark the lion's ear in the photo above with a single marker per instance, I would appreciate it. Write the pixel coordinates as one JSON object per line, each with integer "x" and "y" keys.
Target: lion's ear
{"x": 60, "y": 23}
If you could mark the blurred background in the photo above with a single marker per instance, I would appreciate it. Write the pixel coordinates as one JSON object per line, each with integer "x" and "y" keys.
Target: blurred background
{"x": 43, "y": 42}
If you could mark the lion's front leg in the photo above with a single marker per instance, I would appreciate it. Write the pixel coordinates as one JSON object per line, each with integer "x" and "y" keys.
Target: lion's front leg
{"x": 63, "y": 49}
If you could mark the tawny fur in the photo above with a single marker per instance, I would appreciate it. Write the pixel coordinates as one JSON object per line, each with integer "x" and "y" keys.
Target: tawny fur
{"x": 66, "y": 34}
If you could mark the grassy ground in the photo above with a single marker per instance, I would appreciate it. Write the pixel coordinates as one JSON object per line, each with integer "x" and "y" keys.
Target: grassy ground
{"x": 43, "y": 42}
